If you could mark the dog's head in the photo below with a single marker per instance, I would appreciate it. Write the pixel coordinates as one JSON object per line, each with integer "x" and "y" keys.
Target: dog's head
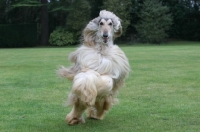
{"x": 104, "y": 29}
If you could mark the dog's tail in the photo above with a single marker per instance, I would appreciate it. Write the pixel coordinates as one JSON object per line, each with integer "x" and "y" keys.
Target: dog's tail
{"x": 85, "y": 86}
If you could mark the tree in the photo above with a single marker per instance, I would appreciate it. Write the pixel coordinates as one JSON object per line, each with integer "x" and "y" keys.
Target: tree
{"x": 78, "y": 17}
{"x": 96, "y": 6}
{"x": 19, "y": 11}
{"x": 58, "y": 11}
{"x": 154, "y": 22}
{"x": 44, "y": 23}
{"x": 186, "y": 19}
{"x": 121, "y": 9}
{"x": 2, "y": 11}
{"x": 75, "y": 15}
{"x": 27, "y": 11}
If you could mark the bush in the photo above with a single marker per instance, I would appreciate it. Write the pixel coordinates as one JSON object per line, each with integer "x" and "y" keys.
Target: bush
{"x": 18, "y": 35}
{"x": 61, "y": 37}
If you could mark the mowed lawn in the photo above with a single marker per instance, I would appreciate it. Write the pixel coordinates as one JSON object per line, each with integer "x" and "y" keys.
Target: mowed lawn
{"x": 162, "y": 92}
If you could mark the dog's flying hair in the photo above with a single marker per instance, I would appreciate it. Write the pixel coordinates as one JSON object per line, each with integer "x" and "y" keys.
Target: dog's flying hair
{"x": 99, "y": 69}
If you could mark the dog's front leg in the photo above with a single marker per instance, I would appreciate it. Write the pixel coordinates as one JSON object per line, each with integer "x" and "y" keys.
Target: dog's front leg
{"x": 100, "y": 108}
{"x": 104, "y": 99}
{"x": 75, "y": 116}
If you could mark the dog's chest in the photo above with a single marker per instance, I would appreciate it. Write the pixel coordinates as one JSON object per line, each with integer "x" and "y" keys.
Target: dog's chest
{"x": 100, "y": 61}
{"x": 106, "y": 61}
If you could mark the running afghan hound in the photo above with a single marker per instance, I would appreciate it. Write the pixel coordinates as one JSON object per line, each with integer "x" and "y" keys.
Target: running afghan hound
{"x": 99, "y": 69}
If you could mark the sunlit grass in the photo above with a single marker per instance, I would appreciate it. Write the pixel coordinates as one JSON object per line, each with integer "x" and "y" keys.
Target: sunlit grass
{"x": 162, "y": 92}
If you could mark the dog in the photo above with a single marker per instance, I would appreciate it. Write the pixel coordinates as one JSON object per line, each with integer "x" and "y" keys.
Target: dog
{"x": 99, "y": 69}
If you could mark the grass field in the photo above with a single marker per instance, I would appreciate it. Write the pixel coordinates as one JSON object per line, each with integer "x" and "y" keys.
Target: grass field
{"x": 161, "y": 94}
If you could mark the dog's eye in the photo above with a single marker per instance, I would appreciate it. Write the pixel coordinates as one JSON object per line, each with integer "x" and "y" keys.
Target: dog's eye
{"x": 101, "y": 23}
{"x": 110, "y": 24}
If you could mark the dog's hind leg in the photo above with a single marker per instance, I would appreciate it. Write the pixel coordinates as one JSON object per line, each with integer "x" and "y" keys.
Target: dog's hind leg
{"x": 75, "y": 116}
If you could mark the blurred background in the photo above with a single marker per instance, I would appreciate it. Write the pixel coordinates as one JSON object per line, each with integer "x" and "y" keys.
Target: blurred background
{"x": 30, "y": 23}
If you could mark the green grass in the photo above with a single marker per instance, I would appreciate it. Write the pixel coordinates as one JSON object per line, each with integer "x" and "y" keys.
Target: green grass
{"x": 162, "y": 92}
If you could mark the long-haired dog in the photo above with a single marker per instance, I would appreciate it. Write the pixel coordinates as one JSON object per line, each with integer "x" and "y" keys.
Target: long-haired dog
{"x": 99, "y": 69}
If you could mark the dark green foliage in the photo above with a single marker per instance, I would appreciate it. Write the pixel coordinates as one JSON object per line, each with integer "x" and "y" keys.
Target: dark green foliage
{"x": 186, "y": 19}
{"x": 154, "y": 23}
{"x": 78, "y": 17}
{"x": 18, "y": 35}
{"x": 58, "y": 11}
{"x": 96, "y": 6}
{"x": 121, "y": 9}
{"x": 61, "y": 37}
{"x": 75, "y": 14}
{"x": 2, "y": 11}
{"x": 19, "y": 11}
{"x": 73, "y": 19}
{"x": 26, "y": 3}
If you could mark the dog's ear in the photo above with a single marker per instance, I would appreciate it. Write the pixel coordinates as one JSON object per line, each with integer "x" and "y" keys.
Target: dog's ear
{"x": 96, "y": 21}
{"x": 117, "y": 29}
{"x": 90, "y": 31}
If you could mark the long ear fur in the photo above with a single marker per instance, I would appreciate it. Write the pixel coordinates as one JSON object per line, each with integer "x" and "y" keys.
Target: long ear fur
{"x": 89, "y": 33}
{"x": 118, "y": 31}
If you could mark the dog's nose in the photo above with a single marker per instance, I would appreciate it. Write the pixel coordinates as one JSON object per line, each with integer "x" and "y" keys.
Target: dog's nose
{"x": 105, "y": 35}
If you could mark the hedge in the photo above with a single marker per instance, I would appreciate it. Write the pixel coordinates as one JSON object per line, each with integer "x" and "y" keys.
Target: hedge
{"x": 18, "y": 35}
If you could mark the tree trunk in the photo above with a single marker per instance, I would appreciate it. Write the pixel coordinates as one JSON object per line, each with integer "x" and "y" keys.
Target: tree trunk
{"x": 44, "y": 23}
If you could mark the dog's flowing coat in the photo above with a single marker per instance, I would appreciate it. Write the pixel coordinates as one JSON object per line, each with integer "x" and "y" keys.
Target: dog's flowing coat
{"x": 99, "y": 69}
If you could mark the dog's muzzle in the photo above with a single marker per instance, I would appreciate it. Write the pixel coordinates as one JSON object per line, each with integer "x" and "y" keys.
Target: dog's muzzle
{"x": 105, "y": 38}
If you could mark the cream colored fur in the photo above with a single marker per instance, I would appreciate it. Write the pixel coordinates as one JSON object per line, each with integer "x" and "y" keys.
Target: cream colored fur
{"x": 99, "y": 69}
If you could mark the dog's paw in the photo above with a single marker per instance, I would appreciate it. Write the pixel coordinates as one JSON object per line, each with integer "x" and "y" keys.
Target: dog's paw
{"x": 92, "y": 115}
{"x": 74, "y": 121}
{"x": 93, "y": 118}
